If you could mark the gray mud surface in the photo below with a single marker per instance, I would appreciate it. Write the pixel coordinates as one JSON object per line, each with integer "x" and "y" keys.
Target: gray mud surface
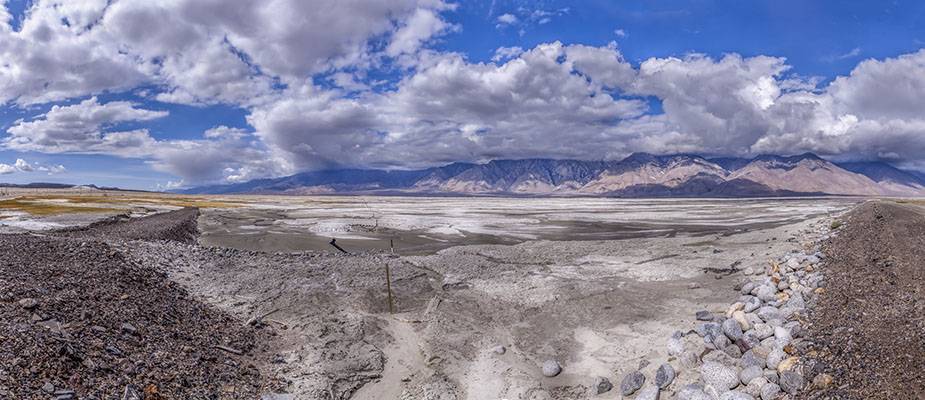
{"x": 598, "y": 307}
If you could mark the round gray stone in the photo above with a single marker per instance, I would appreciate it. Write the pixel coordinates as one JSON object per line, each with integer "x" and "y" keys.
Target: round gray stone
{"x": 632, "y": 382}
{"x": 675, "y": 347}
{"x": 721, "y": 341}
{"x": 764, "y": 331}
{"x": 551, "y": 368}
{"x": 768, "y": 313}
{"x": 664, "y": 376}
{"x": 791, "y": 382}
{"x": 748, "y": 287}
{"x": 752, "y": 304}
{"x": 650, "y": 393}
{"x": 751, "y": 339}
{"x": 775, "y": 357}
{"x": 704, "y": 316}
{"x": 719, "y": 375}
{"x": 688, "y": 359}
{"x": 766, "y": 293}
{"x": 750, "y": 373}
{"x": 770, "y": 391}
{"x": 703, "y": 329}
{"x": 754, "y": 386}
{"x": 733, "y": 351}
{"x": 691, "y": 392}
{"x": 732, "y": 329}
{"x": 749, "y": 359}
{"x": 601, "y": 385}
{"x": 734, "y": 395}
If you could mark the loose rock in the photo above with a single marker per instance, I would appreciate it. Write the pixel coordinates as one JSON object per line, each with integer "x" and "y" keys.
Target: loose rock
{"x": 719, "y": 375}
{"x": 734, "y": 395}
{"x": 750, "y": 373}
{"x": 632, "y": 382}
{"x": 732, "y": 329}
{"x": 551, "y": 368}
{"x": 650, "y": 393}
{"x": 704, "y": 316}
{"x": 770, "y": 391}
{"x": 664, "y": 376}
{"x": 791, "y": 382}
{"x": 601, "y": 385}
{"x": 28, "y": 303}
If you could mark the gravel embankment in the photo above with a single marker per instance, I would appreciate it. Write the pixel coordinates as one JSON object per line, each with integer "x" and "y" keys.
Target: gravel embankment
{"x": 869, "y": 325}
{"x": 79, "y": 319}
{"x": 178, "y": 226}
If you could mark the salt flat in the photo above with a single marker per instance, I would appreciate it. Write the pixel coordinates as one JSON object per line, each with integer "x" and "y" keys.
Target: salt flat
{"x": 425, "y": 224}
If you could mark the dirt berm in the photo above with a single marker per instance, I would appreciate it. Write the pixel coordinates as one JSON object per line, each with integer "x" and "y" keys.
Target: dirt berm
{"x": 81, "y": 319}
{"x": 869, "y": 325}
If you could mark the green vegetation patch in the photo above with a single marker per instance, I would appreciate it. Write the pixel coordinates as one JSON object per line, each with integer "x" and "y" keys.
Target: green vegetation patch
{"x": 836, "y": 225}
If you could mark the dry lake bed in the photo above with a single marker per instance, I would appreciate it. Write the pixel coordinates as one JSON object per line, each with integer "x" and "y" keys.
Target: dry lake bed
{"x": 595, "y": 284}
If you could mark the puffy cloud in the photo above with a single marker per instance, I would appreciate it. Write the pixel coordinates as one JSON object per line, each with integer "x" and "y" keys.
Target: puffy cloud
{"x": 23, "y": 166}
{"x": 541, "y": 103}
{"x": 79, "y": 128}
{"x": 505, "y": 53}
{"x": 506, "y": 19}
{"x": 170, "y": 185}
{"x": 305, "y": 74}
{"x": 893, "y": 88}
{"x": 422, "y": 25}
{"x": 202, "y": 51}
{"x": 722, "y": 102}
{"x": 225, "y": 132}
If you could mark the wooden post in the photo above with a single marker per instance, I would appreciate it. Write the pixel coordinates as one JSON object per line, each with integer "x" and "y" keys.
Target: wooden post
{"x": 388, "y": 284}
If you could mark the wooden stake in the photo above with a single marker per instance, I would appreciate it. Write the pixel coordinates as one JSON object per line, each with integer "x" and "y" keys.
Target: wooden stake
{"x": 388, "y": 284}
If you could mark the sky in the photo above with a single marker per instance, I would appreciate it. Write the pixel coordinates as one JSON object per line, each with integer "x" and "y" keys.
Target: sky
{"x": 166, "y": 94}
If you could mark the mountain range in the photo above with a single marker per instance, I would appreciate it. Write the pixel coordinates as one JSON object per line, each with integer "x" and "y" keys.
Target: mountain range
{"x": 639, "y": 175}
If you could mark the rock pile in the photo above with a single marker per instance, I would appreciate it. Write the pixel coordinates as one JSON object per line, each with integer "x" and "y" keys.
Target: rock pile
{"x": 753, "y": 349}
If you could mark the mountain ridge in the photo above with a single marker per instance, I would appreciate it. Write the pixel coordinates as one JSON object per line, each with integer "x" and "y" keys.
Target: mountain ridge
{"x": 639, "y": 175}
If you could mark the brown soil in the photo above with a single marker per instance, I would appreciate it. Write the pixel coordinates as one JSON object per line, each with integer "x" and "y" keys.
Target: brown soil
{"x": 64, "y": 306}
{"x": 869, "y": 325}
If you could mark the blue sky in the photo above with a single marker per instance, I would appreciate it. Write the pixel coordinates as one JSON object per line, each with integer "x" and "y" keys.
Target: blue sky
{"x": 156, "y": 94}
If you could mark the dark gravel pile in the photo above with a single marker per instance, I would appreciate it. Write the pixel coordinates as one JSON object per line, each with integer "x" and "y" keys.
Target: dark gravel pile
{"x": 81, "y": 320}
{"x": 869, "y": 325}
{"x": 179, "y": 225}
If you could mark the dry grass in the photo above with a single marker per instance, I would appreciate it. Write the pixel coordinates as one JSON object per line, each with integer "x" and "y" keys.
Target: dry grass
{"x": 27, "y": 205}
{"x": 917, "y": 202}
{"x": 103, "y": 203}
{"x": 167, "y": 200}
